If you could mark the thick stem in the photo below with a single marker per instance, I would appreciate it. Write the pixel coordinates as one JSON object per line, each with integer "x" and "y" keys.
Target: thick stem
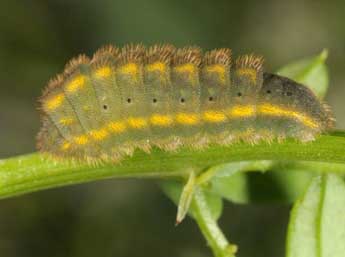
{"x": 35, "y": 172}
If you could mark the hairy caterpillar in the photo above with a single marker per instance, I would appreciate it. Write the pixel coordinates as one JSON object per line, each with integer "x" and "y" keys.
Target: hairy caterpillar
{"x": 137, "y": 97}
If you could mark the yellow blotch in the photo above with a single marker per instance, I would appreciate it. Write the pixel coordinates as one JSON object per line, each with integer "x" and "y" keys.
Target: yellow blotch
{"x": 66, "y": 121}
{"x": 189, "y": 67}
{"x": 239, "y": 111}
{"x": 130, "y": 68}
{"x": 187, "y": 118}
{"x": 99, "y": 134}
{"x": 190, "y": 70}
{"x": 65, "y": 146}
{"x": 217, "y": 68}
{"x": 214, "y": 116}
{"x": 81, "y": 140}
{"x": 161, "y": 120}
{"x": 273, "y": 110}
{"x": 157, "y": 66}
{"x": 117, "y": 126}
{"x": 54, "y": 102}
{"x": 103, "y": 72}
{"x": 77, "y": 83}
{"x": 137, "y": 123}
{"x": 251, "y": 73}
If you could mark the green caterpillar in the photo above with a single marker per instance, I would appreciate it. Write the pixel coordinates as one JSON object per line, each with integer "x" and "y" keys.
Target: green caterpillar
{"x": 135, "y": 97}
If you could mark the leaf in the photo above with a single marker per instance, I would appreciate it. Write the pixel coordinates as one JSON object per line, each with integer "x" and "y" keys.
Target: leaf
{"x": 311, "y": 71}
{"x": 34, "y": 172}
{"x": 173, "y": 190}
{"x": 231, "y": 183}
{"x": 291, "y": 183}
{"x": 234, "y": 188}
{"x": 284, "y": 182}
{"x": 317, "y": 222}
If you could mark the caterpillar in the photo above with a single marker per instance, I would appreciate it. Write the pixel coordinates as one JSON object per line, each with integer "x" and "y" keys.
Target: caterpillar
{"x": 122, "y": 99}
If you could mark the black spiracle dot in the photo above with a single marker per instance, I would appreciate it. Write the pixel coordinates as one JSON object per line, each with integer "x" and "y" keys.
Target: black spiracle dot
{"x": 182, "y": 100}
{"x": 239, "y": 94}
{"x": 210, "y": 99}
{"x": 154, "y": 100}
{"x": 129, "y": 100}
{"x": 268, "y": 91}
{"x": 105, "y": 107}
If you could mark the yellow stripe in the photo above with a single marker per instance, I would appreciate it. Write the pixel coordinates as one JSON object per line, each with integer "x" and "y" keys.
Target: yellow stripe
{"x": 130, "y": 68}
{"x": 251, "y": 73}
{"x": 190, "y": 71}
{"x": 137, "y": 123}
{"x": 241, "y": 111}
{"x": 77, "y": 83}
{"x": 189, "y": 67}
{"x": 81, "y": 140}
{"x": 217, "y": 68}
{"x": 214, "y": 116}
{"x": 117, "y": 126}
{"x": 161, "y": 120}
{"x": 156, "y": 66}
{"x": 103, "y": 72}
{"x": 65, "y": 146}
{"x": 187, "y": 118}
{"x": 274, "y": 110}
{"x": 54, "y": 102}
{"x": 99, "y": 134}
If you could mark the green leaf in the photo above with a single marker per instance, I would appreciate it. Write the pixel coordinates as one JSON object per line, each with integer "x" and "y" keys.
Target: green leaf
{"x": 317, "y": 222}
{"x": 311, "y": 71}
{"x": 284, "y": 182}
{"x": 233, "y": 188}
{"x": 230, "y": 182}
{"x": 173, "y": 190}
{"x": 291, "y": 183}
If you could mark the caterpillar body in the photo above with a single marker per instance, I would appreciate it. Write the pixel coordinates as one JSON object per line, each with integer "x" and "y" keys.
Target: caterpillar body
{"x": 103, "y": 108}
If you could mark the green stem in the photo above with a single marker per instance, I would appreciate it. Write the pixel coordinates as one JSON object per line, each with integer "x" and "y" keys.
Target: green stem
{"x": 209, "y": 227}
{"x": 34, "y": 172}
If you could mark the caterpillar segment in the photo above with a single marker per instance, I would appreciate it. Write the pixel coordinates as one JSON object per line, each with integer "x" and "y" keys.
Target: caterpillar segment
{"x": 215, "y": 79}
{"x": 185, "y": 97}
{"x": 158, "y": 83}
{"x": 247, "y": 79}
{"x": 57, "y": 114}
{"x": 80, "y": 93}
{"x": 130, "y": 79}
{"x": 108, "y": 94}
{"x": 135, "y": 98}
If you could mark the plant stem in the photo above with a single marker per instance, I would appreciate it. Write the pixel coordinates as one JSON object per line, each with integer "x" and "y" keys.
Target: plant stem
{"x": 209, "y": 227}
{"x": 28, "y": 173}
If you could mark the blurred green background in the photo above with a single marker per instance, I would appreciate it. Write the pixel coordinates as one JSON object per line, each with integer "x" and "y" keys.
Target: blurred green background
{"x": 132, "y": 217}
